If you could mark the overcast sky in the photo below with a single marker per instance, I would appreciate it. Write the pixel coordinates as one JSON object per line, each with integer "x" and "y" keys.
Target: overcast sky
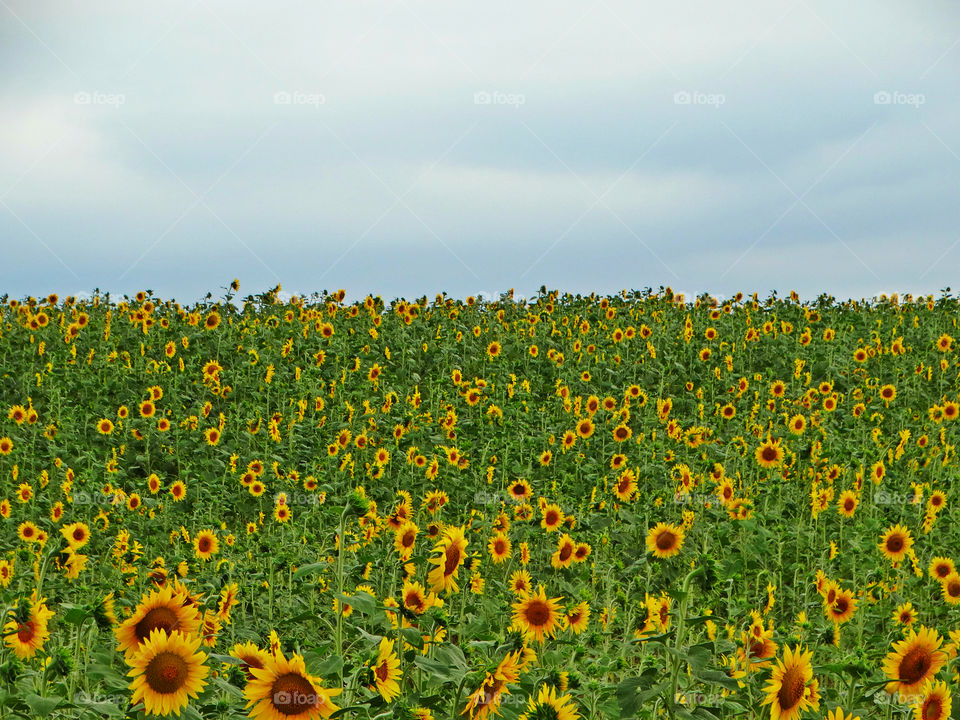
{"x": 407, "y": 147}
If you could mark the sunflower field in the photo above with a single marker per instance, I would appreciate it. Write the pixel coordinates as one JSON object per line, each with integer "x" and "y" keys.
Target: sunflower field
{"x": 562, "y": 507}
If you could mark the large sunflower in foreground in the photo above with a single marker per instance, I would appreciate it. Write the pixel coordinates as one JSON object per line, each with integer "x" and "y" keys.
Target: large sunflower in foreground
{"x": 450, "y": 554}
{"x": 913, "y": 661}
{"x": 282, "y": 689}
{"x": 536, "y": 616}
{"x": 162, "y": 609}
{"x": 27, "y": 637}
{"x": 665, "y": 540}
{"x": 550, "y": 705}
{"x": 792, "y": 688}
{"x": 936, "y": 704}
{"x": 167, "y": 671}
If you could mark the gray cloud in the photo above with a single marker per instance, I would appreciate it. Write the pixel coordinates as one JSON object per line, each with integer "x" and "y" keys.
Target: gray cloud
{"x": 622, "y": 146}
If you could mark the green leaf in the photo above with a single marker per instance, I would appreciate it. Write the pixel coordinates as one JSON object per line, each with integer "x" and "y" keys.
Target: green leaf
{"x": 42, "y": 706}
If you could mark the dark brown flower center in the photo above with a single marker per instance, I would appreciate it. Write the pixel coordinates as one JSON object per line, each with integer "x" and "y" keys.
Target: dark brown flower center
{"x": 666, "y": 540}
{"x": 292, "y": 694}
{"x": 791, "y": 689}
{"x": 167, "y": 673}
{"x": 914, "y": 665}
{"x": 157, "y": 618}
{"x": 537, "y": 613}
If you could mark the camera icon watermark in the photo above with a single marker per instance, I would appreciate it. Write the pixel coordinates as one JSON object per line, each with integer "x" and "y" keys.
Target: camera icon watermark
{"x": 298, "y": 97}
{"x": 496, "y": 97}
{"x": 895, "y": 97}
{"x": 97, "y": 97}
{"x": 695, "y": 97}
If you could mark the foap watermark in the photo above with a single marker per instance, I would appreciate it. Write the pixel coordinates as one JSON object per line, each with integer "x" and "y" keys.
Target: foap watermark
{"x": 98, "y": 97}
{"x": 692, "y": 698}
{"x": 496, "y": 97}
{"x": 895, "y": 97}
{"x": 882, "y": 497}
{"x": 299, "y": 97}
{"x": 295, "y": 698}
{"x": 697, "y": 498}
{"x": 485, "y": 296}
{"x": 897, "y": 698}
{"x": 486, "y": 498}
{"x": 88, "y": 698}
{"x": 297, "y": 498}
{"x": 96, "y": 497}
{"x": 696, "y": 97}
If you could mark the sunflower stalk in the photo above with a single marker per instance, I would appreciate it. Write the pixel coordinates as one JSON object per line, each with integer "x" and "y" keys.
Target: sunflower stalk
{"x": 680, "y": 638}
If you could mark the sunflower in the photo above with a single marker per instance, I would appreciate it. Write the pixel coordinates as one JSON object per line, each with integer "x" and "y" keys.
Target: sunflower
{"x": 416, "y": 599}
{"x": 842, "y": 608}
{"x": 913, "y": 661}
{"x": 941, "y": 567}
{"x": 520, "y": 490}
{"x": 520, "y": 582}
{"x": 838, "y": 714}
{"x": 549, "y": 704}
{"x": 759, "y": 647}
{"x": 163, "y": 609}
{"x": 449, "y": 556}
{"x": 167, "y": 671}
{"x": 499, "y": 547}
{"x": 27, "y": 637}
{"x": 896, "y": 543}
{"x": 769, "y": 454}
{"x": 905, "y": 614}
{"x": 178, "y": 490}
{"x": 282, "y": 689}
{"x": 951, "y": 588}
{"x": 404, "y": 540}
{"x": 104, "y": 426}
{"x": 536, "y": 616}
{"x": 6, "y": 572}
{"x": 848, "y": 503}
{"x": 665, "y": 540}
{"x": 552, "y": 517}
{"x": 28, "y": 532}
{"x": 563, "y": 556}
{"x": 206, "y": 544}
{"x": 585, "y": 428}
{"x": 578, "y": 617}
{"x": 797, "y": 424}
{"x": 792, "y": 687}
{"x": 626, "y": 486}
{"x": 147, "y": 409}
{"x": 936, "y": 704}
{"x": 385, "y": 672}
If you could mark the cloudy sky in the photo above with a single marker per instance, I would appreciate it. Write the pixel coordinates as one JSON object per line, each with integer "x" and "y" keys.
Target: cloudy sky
{"x": 407, "y": 147}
